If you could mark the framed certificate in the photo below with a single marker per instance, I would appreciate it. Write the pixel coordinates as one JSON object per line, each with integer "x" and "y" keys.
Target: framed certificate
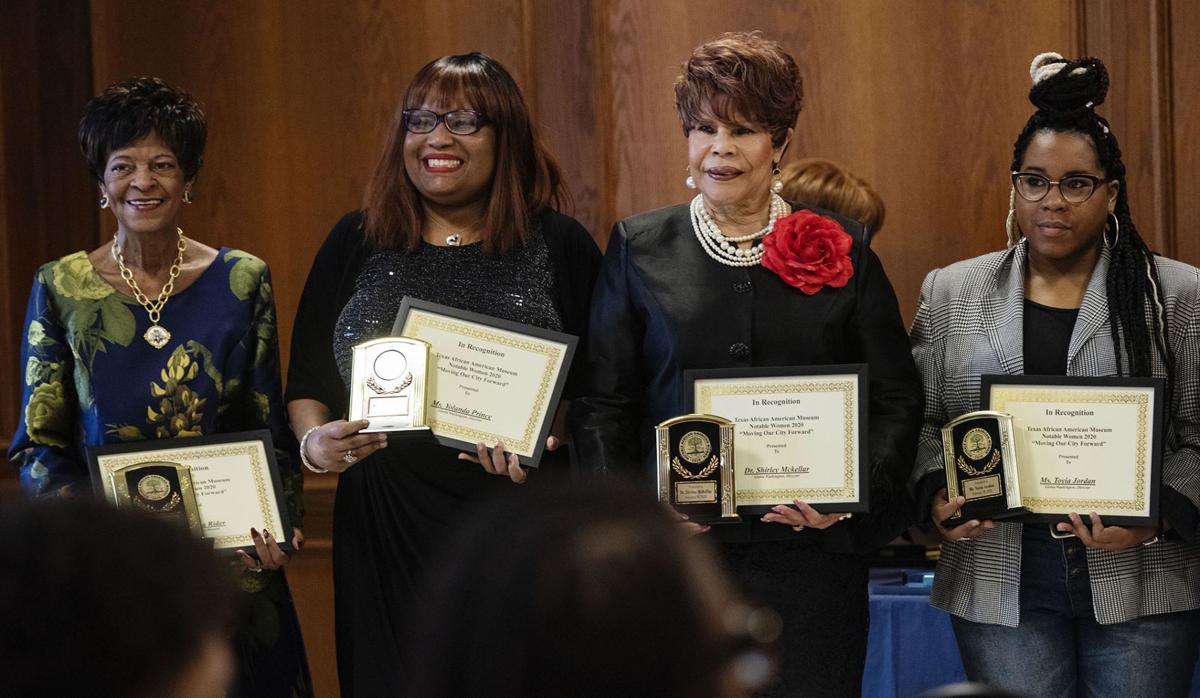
{"x": 489, "y": 379}
{"x": 219, "y": 486}
{"x": 800, "y": 433}
{"x": 1084, "y": 444}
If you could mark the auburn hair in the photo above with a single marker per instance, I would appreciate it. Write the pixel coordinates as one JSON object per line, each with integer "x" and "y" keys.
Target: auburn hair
{"x": 740, "y": 75}
{"x": 826, "y": 185}
{"x": 526, "y": 180}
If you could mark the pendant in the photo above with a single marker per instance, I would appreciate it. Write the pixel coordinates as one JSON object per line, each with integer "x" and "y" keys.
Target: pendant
{"x": 157, "y": 336}
{"x": 454, "y": 240}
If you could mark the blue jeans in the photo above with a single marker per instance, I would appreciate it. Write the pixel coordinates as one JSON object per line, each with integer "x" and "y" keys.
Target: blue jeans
{"x": 1060, "y": 650}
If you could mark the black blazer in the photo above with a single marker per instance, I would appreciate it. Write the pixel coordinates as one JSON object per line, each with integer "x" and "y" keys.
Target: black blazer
{"x": 661, "y": 306}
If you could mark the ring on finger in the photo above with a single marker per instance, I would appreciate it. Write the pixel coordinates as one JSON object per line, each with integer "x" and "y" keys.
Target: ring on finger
{"x": 349, "y": 457}
{"x": 797, "y": 529}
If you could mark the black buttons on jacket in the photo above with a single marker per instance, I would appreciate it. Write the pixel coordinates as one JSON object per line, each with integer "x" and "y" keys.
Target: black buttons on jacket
{"x": 739, "y": 351}
{"x": 743, "y": 286}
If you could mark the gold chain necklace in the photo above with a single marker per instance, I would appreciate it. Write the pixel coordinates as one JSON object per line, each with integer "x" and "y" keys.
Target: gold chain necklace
{"x": 156, "y": 335}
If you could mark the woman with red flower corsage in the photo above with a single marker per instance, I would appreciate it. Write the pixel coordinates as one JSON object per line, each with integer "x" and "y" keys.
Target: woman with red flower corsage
{"x": 741, "y": 278}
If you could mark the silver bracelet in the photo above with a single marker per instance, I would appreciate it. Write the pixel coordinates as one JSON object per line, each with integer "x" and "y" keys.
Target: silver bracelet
{"x": 304, "y": 456}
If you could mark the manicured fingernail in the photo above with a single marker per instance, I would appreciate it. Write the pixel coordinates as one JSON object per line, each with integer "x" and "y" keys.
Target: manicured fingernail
{"x": 266, "y": 533}
{"x": 253, "y": 533}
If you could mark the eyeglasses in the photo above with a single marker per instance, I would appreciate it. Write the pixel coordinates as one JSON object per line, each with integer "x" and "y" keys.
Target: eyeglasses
{"x": 1074, "y": 189}
{"x": 462, "y": 122}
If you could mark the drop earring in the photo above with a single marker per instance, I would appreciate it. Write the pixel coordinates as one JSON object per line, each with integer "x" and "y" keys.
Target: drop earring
{"x": 777, "y": 185}
{"x": 1010, "y": 223}
{"x": 187, "y": 196}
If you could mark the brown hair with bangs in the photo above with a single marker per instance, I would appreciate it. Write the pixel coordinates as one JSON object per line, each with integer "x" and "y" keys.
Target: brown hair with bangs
{"x": 740, "y": 75}
{"x": 526, "y": 181}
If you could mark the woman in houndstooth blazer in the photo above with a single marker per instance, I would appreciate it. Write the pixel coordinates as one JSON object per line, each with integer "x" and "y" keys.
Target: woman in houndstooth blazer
{"x": 1111, "y": 611}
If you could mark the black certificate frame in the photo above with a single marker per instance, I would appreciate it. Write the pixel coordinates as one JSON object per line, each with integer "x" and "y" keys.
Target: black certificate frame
{"x": 569, "y": 341}
{"x": 96, "y": 454}
{"x": 861, "y": 370}
{"x": 1158, "y": 388}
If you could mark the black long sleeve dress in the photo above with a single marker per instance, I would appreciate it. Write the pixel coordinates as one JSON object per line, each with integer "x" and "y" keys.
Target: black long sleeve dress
{"x": 393, "y": 508}
{"x": 662, "y": 306}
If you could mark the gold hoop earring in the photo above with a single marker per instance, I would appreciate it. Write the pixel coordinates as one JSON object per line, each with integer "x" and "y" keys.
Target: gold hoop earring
{"x": 1116, "y": 237}
{"x": 1011, "y": 229}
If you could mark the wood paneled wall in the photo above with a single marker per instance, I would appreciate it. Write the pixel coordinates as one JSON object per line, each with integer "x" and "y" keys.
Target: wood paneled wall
{"x": 47, "y": 198}
{"x": 921, "y": 98}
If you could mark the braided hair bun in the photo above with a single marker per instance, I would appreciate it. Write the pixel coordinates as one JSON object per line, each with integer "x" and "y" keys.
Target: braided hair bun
{"x": 1062, "y": 86}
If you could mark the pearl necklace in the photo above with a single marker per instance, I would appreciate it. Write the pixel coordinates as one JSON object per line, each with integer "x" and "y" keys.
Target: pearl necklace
{"x": 156, "y": 335}
{"x": 723, "y": 249}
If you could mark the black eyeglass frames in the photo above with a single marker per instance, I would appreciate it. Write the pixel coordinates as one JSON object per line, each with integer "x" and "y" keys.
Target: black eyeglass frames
{"x": 1075, "y": 189}
{"x": 462, "y": 122}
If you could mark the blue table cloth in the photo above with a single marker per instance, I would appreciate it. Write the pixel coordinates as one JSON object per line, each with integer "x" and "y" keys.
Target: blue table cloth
{"x": 911, "y": 646}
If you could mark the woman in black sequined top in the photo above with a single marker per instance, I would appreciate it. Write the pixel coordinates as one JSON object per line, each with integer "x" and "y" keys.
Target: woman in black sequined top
{"x": 460, "y": 212}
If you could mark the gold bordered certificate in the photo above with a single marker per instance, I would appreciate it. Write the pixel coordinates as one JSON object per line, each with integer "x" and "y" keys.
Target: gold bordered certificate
{"x": 1085, "y": 444}
{"x": 489, "y": 379}
{"x": 221, "y": 486}
{"x": 799, "y": 433}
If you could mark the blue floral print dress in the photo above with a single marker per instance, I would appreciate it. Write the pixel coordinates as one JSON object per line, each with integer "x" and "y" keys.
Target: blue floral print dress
{"x": 90, "y": 378}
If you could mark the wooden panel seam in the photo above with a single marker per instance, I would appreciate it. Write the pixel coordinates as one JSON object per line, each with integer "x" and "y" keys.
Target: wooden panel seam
{"x": 1162, "y": 124}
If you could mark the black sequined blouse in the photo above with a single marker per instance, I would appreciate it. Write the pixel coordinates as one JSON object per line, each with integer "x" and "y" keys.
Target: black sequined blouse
{"x": 393, "y": 508}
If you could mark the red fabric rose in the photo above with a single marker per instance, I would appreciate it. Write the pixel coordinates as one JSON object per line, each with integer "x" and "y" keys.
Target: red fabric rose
{"x": 809, "y": 252}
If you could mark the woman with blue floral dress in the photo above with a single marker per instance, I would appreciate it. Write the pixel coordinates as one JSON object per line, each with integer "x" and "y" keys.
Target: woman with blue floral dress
{"x": 158, "y": 336}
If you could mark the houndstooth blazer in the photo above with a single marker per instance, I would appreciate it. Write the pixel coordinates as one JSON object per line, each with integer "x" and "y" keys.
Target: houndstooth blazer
{"x": 969, "y": 323}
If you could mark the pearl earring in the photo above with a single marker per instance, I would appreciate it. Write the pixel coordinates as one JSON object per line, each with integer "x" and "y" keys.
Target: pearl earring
{"x": 104, "y": 201}
{"x": 690, "y": 182}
